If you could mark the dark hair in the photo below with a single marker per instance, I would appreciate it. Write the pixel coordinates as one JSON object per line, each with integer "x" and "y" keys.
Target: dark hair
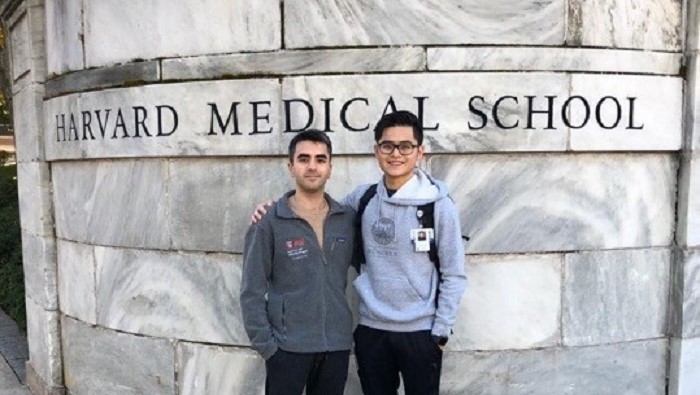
{"x": 309, "y": 135}
{"x": 399, "y": 118}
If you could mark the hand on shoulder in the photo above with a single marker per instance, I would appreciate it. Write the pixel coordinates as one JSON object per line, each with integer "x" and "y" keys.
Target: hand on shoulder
{"x": 260, "y": 211}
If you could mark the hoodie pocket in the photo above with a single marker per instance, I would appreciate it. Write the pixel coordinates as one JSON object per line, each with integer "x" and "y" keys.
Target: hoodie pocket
{"x": 423, "y": 286}
{"x": 387, "y": 297}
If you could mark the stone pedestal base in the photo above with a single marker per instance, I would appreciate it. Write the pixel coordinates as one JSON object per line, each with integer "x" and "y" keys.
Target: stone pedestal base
{"x": 37, "y": 385}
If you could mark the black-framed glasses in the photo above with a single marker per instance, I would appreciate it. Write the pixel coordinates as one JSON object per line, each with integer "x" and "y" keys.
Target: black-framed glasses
{"x": 404, "y": 147}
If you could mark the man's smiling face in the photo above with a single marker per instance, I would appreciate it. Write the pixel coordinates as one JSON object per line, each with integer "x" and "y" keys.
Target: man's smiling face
{"x": 398, "y": 167}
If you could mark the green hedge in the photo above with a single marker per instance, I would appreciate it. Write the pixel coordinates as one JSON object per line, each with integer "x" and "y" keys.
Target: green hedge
{"x": 11, "y": 272}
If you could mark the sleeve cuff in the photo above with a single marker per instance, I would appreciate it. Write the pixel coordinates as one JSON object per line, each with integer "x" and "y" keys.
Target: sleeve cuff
{"x": 440, "y": 330}
{"x": 268, "y": 350}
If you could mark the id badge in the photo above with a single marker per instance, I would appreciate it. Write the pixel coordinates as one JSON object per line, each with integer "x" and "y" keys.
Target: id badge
{"x": 421, "y": 239}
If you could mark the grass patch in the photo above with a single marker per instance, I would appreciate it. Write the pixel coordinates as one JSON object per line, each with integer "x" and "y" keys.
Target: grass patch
{"x": 11, "y": 271}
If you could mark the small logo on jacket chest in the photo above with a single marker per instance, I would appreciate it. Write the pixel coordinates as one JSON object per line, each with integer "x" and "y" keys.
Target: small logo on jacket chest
{"x": 384, "y": 231}
{"x": 295, "y": 248}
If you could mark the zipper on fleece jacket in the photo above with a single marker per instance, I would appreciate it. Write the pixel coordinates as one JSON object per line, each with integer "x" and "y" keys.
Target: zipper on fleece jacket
{"x": 323, "y": 280}
{"x": 323, "y": 269}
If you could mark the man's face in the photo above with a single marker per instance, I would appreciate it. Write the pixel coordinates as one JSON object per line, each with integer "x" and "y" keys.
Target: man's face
{"x": 398, "y": 167}
{"x": 311, "y": 166}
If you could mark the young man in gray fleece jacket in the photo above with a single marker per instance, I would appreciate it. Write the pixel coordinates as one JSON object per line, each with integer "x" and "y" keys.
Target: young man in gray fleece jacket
{"x": 295, "y": 264}
{"x": 405, "y": 311}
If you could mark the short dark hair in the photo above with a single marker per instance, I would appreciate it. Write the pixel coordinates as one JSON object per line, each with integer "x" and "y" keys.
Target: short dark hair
{"x": 309, "y": 135}
{"x": 399, "y": 118}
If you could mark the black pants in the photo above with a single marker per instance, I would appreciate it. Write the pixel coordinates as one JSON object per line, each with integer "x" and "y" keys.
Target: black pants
{"x": 382, "y": 355}
{"x": 322, "y": 373}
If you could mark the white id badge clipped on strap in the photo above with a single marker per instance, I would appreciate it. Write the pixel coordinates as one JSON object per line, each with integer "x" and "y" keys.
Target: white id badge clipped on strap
{"x": 421, "y": 238}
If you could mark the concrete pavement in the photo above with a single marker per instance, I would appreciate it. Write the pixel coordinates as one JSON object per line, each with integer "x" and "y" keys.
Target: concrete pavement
{"x": 13, "y": 355}
{"x": 9, "y": 383}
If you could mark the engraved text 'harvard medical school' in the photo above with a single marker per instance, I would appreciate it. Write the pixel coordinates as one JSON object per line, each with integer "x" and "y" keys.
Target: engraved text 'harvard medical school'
{"x": 505, "y": 113}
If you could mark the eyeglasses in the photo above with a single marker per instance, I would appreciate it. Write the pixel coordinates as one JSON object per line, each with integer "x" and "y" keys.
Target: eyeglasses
{"x": 404, "y": 147}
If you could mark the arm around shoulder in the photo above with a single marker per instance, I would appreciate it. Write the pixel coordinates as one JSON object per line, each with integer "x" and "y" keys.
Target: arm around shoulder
{"x": 352, "y": 199}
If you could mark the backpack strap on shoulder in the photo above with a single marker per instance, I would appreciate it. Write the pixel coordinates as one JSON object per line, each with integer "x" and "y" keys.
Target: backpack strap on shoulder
{"x": 426, "y": 217}
{"x": 364, "y": 200}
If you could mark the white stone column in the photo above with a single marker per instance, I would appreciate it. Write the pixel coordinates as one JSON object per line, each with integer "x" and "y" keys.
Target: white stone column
{"x": 24, "y": 23}
{"x": 685, "y": 301}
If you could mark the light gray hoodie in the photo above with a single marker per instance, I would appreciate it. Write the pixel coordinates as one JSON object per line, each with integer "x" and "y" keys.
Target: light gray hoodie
{"x": 397, "y": 286}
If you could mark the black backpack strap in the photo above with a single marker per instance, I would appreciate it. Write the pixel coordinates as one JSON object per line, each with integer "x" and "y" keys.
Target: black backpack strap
{"x": 364, "y": 200}
{"x": 427, "y": 220}
{"x": 426, "y": 217}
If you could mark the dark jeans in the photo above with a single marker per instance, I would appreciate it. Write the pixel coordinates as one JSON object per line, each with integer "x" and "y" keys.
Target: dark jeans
{"x": 382, "y": 355}
{"x": 322, "y": 373}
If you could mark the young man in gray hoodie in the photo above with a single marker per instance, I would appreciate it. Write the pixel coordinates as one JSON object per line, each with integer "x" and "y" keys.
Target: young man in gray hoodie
{"x": 295, "y": 263}
{"x": 407, "y": 306}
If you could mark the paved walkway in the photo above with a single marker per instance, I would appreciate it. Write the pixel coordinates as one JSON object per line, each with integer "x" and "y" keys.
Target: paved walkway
{"x": 13, "y": 355}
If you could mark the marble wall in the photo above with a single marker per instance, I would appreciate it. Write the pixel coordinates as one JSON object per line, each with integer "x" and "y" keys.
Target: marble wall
{"x": 24, "y": 24}
{"x": 566, "y": 130}
{"x": 685, "y": 280}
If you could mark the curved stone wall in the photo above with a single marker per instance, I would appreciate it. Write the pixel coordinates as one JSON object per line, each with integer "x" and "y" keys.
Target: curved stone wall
{"x": 558, "y": 126}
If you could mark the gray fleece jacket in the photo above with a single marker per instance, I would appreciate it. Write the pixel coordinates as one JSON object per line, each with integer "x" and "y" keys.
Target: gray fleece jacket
{"x": 397, "y": 286}
{"x": 293, "y": 289}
